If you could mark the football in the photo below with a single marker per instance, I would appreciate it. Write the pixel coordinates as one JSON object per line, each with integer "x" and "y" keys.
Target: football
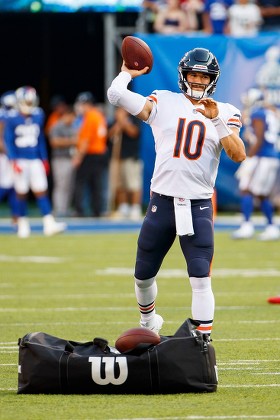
{"x": 136, "y": 53}
{"x": 131, "y": 338}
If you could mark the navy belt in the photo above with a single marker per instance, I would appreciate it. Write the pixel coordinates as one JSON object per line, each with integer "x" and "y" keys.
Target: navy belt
{"x": 166, "y": 197}
{"x": 193, "y": 201}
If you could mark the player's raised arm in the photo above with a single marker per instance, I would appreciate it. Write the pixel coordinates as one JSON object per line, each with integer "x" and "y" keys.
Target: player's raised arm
{"x": 119, "y": 95}
{"x": 137, "y": 61}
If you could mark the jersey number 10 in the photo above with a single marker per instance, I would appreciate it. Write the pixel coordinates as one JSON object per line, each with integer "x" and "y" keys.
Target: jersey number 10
{"x": 189, "y": 140}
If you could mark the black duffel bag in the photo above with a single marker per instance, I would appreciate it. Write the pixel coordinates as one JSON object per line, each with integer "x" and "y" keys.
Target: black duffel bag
{"x": 181, "y": 363}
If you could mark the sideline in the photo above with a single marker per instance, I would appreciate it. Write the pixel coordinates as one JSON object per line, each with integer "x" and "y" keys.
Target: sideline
{"x": 103, "y": 225}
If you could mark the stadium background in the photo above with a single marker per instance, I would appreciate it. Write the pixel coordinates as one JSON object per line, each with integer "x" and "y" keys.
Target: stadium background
{"x": 64, "y": 53}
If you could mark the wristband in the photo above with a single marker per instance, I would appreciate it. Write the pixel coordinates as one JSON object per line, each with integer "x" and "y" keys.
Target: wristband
{"x": 222, "y": 129}
{"x": 119, "y": 95}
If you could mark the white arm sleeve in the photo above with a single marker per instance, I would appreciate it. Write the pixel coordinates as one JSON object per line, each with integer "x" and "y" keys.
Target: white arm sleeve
{"x": 119, "y": 95}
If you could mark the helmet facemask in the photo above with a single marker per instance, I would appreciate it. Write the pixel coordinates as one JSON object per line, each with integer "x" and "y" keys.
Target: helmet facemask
{"x": 190, "y": 91}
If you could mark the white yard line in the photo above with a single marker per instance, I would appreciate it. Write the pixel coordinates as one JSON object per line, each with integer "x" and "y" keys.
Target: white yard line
{"x": 116, "y": 308}
{"x": 31, "y": 259}
{"x": 250, "y": 386}
{"x": 248, "y": 362}
{"x": 8, "y": 364}
{"x": 220, "y": 386}
{"x": 179, "y": 273}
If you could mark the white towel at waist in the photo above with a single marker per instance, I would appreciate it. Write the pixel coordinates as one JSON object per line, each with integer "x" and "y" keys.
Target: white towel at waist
{"x": 183, "y": 216}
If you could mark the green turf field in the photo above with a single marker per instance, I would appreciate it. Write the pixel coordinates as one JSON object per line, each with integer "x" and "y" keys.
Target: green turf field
{"x": 81, "y": 286}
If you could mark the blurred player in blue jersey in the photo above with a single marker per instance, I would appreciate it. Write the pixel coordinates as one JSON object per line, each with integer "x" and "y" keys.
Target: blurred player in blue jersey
{"x": 257, "y": 174}
{"x": 7, "y": 190}
{"x": 26, "y": 149}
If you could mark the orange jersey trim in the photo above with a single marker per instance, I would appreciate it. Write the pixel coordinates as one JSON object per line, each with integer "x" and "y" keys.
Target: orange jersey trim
{"x": 153, "y": 98}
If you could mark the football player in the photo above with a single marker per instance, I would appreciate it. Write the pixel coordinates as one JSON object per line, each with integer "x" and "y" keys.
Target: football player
{"x": 26, "y": 149}
{"x": 257, "y": 174}
{"x": 7, "y": 190}
{"x": 190, "y": 131}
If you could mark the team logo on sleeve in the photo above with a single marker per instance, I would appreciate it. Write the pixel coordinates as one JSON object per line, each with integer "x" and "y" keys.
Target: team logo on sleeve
{"x": 154, "y": 209}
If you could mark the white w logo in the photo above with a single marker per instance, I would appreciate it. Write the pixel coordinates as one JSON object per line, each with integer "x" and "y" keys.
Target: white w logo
{"x": 109, "y": 369}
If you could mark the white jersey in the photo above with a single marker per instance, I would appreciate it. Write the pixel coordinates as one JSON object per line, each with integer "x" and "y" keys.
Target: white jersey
{"x": 244, "y": 20}
{"x": 187, "y": 146}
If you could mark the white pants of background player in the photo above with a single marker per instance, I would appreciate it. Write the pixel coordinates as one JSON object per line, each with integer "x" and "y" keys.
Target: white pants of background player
{"x": 32, "y": 176}
{"x": 258, "y": 175}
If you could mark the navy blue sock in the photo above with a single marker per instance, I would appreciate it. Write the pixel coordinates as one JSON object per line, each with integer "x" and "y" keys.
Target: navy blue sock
{"x": 247, "y": 206}
{"x": 44, "y": 205}
{"x": 13, "y": 202}
{"x": 267, "y": 209}
{"x": 22, "y": 207}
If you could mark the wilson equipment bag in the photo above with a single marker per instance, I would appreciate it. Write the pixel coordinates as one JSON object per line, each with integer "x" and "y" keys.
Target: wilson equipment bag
{"x": 181, "y": 363}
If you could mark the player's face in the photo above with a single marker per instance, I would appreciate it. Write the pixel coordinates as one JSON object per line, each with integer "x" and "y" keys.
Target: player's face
{"x": 198, "y": 81}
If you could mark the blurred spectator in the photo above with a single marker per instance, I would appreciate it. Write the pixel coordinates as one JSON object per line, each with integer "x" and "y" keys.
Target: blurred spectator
{"x": 126, "y": 179}
{"x": 268, "y": 74}
{"x": 7, "y": 191}
{"x": 257, "y": 174}
{"x": 26, "y": 148}
{"x": 195, "y": 7}
{"x": 244, "y": 18}
{"x": 63, "y": 139}
{"x": 270, "y": 10}
{"x": 90, "y": 157}
{"x": 147, "y": 17}
{"x": 58, "y": 107}
{"x": 171, "y": 19}
{"x": 215, "y": 16}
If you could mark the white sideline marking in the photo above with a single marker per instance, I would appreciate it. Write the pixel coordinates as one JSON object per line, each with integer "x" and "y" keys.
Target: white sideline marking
{"x": 114, "y": 308}
{"x": 249, "y": 362}
{"x": 272, "y": 321}
{"x": 18, "y": 324}
{"x": 9, "y": 347}
{"x": 220, "y": 369}
{"x": 239, "y": 368}
{"x": 250, "y": 386}
{"x": 8, "y": 389}
{"x": 220, "y": 386}
{"x": 8, "y": 364}
{"x": 70, "y": 296}
{"x": 218, "y": 272}
{"x": 123, "y": 295}
{"x": 266, "y": 373}
{"x": 247, "y": 339}
{"x": 32, "y": 259}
